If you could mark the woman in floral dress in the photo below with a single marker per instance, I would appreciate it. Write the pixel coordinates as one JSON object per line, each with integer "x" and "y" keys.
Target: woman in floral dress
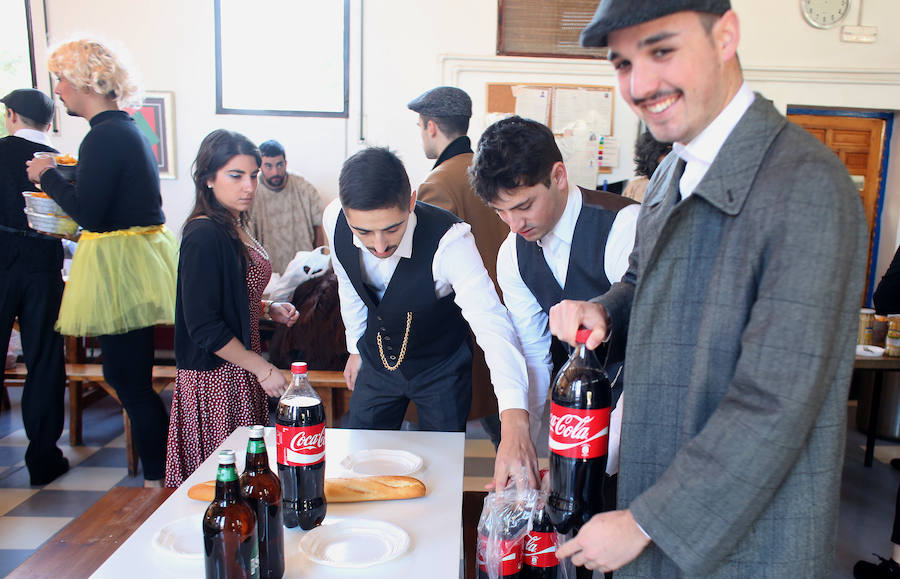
{"x": 222, "y": 379}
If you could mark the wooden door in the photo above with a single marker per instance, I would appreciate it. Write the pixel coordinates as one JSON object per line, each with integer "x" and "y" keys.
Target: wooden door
{"x": 859, "y": 143}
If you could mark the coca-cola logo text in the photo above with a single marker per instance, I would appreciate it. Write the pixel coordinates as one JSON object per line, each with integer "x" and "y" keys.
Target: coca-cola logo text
{"x": 571, "y": 426}
{"x": 579, "y": 433}
{"x": 305, "y": 442}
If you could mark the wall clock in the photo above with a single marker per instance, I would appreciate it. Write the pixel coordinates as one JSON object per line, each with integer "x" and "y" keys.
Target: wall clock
{"x": 824, "y": 13}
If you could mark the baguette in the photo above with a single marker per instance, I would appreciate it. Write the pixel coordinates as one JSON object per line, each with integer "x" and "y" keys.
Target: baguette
{"x": 205, "y": 491}
{"x": 372, "y": 488}
{"x": 344, "y": 490}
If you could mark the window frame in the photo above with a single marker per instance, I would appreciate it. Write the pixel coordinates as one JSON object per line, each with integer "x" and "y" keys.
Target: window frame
{"x": 343, "y": 113}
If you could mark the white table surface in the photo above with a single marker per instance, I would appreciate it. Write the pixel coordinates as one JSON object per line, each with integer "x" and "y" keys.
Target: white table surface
{"x": 433, "y": 522}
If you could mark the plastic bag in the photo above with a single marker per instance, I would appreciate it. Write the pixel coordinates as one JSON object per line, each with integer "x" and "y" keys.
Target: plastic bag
{"x": 505, "y": 520}
{"x": 306, "y": 265}
{"x": 513, "y": 533}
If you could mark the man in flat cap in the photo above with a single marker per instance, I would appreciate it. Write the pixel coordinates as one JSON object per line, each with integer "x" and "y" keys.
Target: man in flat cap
{"x": 31, "y": 285}
{"x": 740, "y": 309}
{"x": 444, "y": 114}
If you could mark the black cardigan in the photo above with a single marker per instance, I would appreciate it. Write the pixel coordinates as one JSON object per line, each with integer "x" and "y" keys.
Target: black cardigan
{"x": 211, "y": 305}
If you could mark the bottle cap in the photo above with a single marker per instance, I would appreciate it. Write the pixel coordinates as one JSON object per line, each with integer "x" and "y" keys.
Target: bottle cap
{"x": 226, "y": 457}
{"x": 256, "y": 431}
{"x": 582, "y": 335}
{"x": 298, "y": 368}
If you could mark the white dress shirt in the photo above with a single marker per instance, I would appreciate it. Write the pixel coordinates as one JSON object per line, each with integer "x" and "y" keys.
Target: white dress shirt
{"x": 702, "y": 150}
{"x": 531, "y": 323}
{"x": 35, "y": 136}
{"x": 456, "y": 267}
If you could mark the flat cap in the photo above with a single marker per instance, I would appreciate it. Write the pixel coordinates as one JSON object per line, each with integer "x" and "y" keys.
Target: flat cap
{"x": 443, "y": 101}
{"x": 613, "y": 15}
{"x": 30, "y": 103}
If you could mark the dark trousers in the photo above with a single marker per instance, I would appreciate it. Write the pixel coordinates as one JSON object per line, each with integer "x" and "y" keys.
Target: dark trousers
{"x": 442, "y": 394}
{"x": 895, "y": 532}
{"x": 34, "y": 297}
{"x": 128, "y": 367}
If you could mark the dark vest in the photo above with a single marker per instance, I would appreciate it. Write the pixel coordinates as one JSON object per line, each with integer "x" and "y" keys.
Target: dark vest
{"x": 586, "y": 275}
{"x": 437, "y": 329}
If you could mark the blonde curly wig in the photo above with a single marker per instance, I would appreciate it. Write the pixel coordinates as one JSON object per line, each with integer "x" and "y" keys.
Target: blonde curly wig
{"x": 88, "y": 64}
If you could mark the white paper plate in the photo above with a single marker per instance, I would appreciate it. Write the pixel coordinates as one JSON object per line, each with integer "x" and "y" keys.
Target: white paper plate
{"x": 354, "y": 543}
{"x": 382, "y": 461}
{"x": 182, "y": 538}
{"x": 869, "y": 351}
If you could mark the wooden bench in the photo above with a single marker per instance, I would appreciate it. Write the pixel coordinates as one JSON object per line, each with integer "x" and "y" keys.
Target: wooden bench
{"x": 86, "y": 384}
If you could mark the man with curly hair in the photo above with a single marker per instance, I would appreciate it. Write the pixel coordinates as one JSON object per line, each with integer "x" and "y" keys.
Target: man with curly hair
{"x": 122, "y": 280}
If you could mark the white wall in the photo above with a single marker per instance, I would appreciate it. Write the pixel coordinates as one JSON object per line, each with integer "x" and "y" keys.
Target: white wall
{"x": 173, "y": 47}
{"x": 410, "y": 46}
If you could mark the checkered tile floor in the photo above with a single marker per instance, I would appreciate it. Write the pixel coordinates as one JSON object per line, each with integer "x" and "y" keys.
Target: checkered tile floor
{"x": 31, "y": 515}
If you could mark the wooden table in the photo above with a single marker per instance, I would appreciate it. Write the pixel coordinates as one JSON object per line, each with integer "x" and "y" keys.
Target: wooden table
{"x": 878, "y": 366}
{"x": 85, "y": 543}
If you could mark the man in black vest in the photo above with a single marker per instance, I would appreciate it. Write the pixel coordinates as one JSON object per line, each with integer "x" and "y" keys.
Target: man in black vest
{"x": 409, "y": 278}
{"x": 564, "y": 241}
{"x": 31, "y": 285}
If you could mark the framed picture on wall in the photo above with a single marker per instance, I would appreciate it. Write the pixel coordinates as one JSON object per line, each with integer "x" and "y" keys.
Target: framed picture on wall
{"x": 156, "y": 119}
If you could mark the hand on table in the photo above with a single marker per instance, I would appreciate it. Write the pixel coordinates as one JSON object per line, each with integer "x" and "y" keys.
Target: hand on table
{"x": 352, "y": 369}
{"x": 516, "y": 452}
{"x": 607, "y": 542}
{"x": 568, "y": 316}
{"x": 36, "y": 167}
{"x": 284, "y": 313}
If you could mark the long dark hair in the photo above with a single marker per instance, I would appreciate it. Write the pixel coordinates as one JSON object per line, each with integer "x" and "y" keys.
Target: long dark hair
{"x": 216, "y": 150}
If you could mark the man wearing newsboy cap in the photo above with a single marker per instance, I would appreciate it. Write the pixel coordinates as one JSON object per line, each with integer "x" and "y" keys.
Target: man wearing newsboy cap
{"x": 31, "y": 285}
{"x": 740, "y": 311}
{"x": 444, "y": 114}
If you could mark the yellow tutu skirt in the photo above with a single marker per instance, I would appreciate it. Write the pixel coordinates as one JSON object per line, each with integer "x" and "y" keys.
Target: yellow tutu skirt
{"x": 120, "y": 281}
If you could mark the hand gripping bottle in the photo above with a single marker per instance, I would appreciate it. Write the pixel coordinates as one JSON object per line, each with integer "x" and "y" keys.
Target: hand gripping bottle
{"x": 262, "y": 491}
{"x": 579, "y": 439}
{"x": 300, "y": 438}
{"x": 230, "y": 548}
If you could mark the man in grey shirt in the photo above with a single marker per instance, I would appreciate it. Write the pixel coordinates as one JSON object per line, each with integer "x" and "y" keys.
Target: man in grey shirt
{"x": 287, "y": 212}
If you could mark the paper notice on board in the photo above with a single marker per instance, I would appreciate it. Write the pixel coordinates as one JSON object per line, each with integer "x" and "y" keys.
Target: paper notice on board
{"x": 608, "y": 151}
{"x": 593, "y": 106}
{"x": 578, "y": 145}
{"x": 532, "y": 103}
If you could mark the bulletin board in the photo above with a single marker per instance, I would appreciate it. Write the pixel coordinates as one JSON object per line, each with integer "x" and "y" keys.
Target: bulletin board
{"x": 581, "y": 117}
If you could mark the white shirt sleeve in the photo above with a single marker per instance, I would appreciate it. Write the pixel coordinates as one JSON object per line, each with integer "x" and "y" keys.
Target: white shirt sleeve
{"x": 353, "y": 310}
{"x": 620, "y": 242}
{"x": 530, "y": 322}
{"x": 458, "y": 263}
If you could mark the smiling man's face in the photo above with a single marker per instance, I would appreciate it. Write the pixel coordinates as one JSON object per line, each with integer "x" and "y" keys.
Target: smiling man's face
{"x": 672, "y": 71}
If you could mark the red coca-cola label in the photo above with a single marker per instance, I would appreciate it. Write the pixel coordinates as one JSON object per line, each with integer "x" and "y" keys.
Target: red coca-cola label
{"x": 578, "y": 433}
{"x": 540, "y": 549}
{"x": 510, "y": 556}
{"x": 300, "y": 445}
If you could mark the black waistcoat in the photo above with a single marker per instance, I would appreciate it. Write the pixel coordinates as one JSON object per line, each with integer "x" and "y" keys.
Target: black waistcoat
{"x": 437, "y": 329}
{"x": 586, "y": 275}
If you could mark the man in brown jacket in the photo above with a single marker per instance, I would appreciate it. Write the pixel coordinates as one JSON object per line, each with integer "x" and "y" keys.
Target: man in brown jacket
{"x": 444, "y": 114}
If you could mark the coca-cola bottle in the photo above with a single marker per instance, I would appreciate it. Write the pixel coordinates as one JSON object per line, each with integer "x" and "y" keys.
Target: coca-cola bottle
{"x": 539, "y": 553}
{"x": 508, "y": 556}
{"x": 579, "y": 439}
{"x": 262, "y": 491}
{"x": 230, "y": 548}
{"x": 300, "y": 443}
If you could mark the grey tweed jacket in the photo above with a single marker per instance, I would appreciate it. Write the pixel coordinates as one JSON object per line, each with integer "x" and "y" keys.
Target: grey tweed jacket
{"x": 740, "y": 310}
